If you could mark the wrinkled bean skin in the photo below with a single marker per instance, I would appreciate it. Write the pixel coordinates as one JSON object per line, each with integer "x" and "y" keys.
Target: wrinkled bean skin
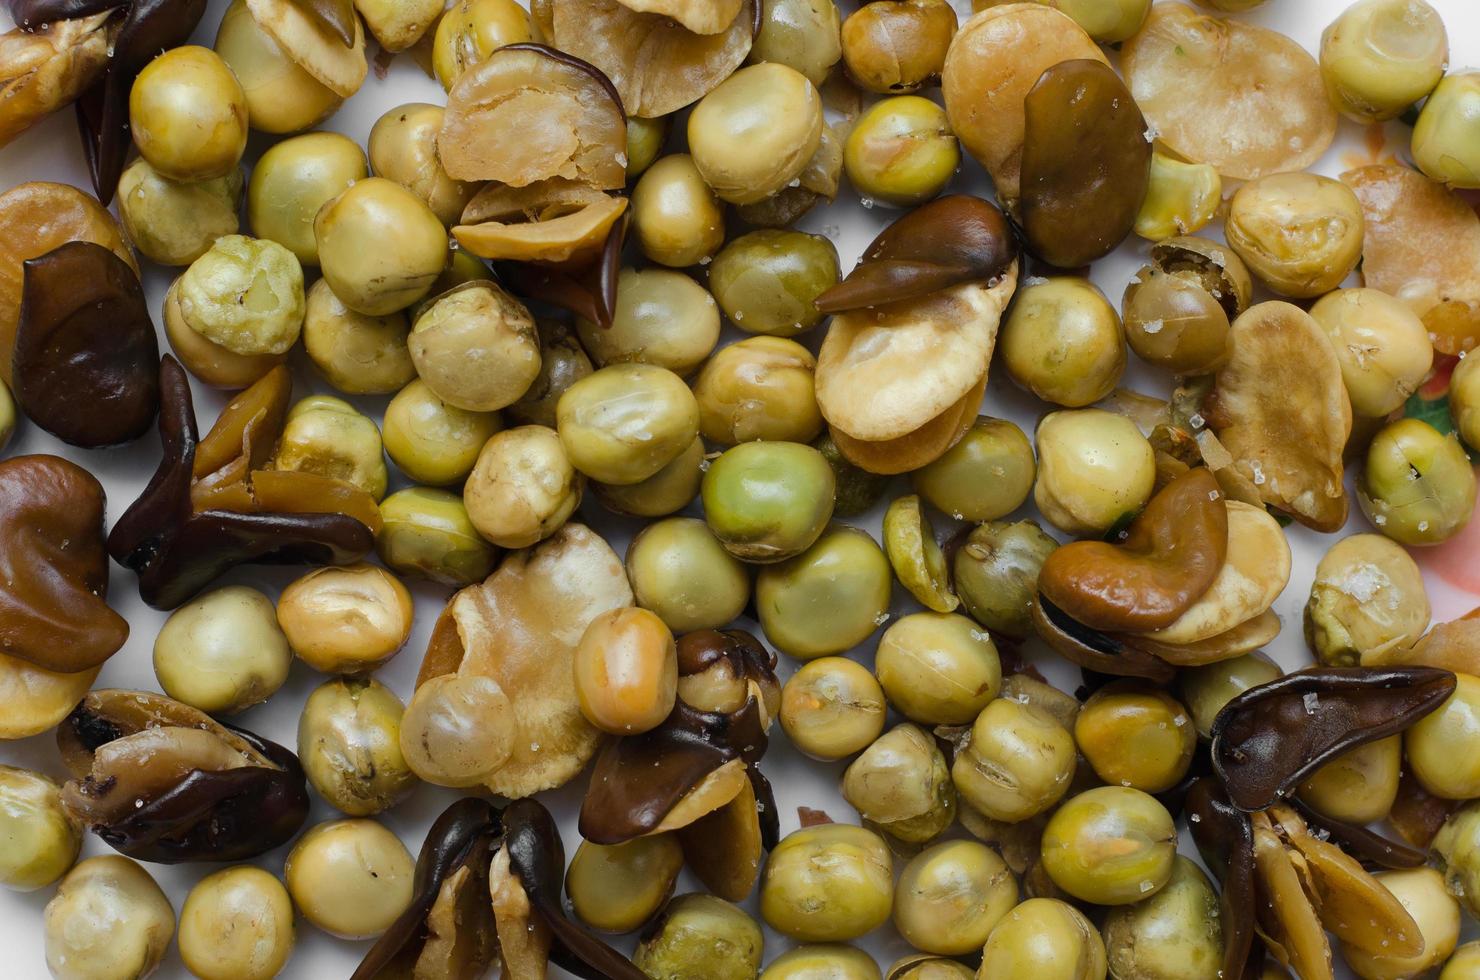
{"x": 949, "y": 241}
{"x": 1086, "y": 163}
{"x": 1266, "y": 740}
{"x": 1092, "y": 649}
{"x": 53, "y": 569}
{"x": 1169, "y": 557}
{"x": 85, "y": 350}
{"x": 196, "y": 812}
{"x": 1226, "y": 841}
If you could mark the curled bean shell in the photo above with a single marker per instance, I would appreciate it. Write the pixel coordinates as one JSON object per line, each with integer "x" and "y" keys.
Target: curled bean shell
{"x": 554, "y": 221}
{"x": 298, "y": 29}
{"x": 1225, "y": 838}
{"x": 85, "y": 350}
{"x": 46, "y": 68}
{"x": 1094, "y": 650}
{"x": 1266, "y": 740}
{"x": 1242, "y": 98}
{"x": 53, "y": 569}
{"x": 1086, "y": 163}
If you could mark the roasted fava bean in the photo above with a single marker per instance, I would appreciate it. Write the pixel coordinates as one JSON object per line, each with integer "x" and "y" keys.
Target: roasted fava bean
{"x": 1175, "y": 934}
{"x": 345, "y": 620}
{"x": 1300, "y": 233}
{"x": 938, "y": 668}
{"x": 756, "y": 132}
{"x": 282, "y": 96}
{"x": 174, "y": 222}
{"x": 662, "y": 318}
{"x": 901, "y": 785}
{"x": 829, "y": 598}
{"x": 802, "y": 34}
{"x": 1044, "y": 937}
{"x": 403, "y": 148}
{"x": 351, "y": 878}
{"x": 109, "y": 920}
{"x": 428, "y": 533}
{"x": 1086, "y": 163}
{"x": 899, "y": 45}
{"x": 188, "y": 114}
{"x": 626, "y": 422}
{"x": 1110, "y": 846}
{"x": 471, "y": 30}
{"x": 682, "y": 572}
{"x": 985, "y": 476}
{"x": 1367, "y": 602}
{"x": 832, "y": 708}
{"x": 626, "y": 671}
{"x": 1382, "y": 56}
{"x": 432, "y": 441}
{"x": 325, "y": 435}
{"x": 356, "y": 353}
{"x": 1206, "y": 689}
{"x": 951, "y": 895}
{"x": 1136, "y": 735}
{"x": 349, "y": 741}
{"x": 768, "y": 501}
{"x": 618, "y": 887}
{"x": 678, "y": 220}
{"x": 901, "y": 151}
{"x": 522, "y": 488}
{"x": 1062, "y": 341}
{"x": 1017, "y": 764}
{"x": 701, "y": 936}
{"x": 1417, "y": 486}
{"x": 222, "y": 651}
{"x": 760, "y": 388}
{"x": 995, "y": 572}
{"x": 828, "y": 883}
{"x": 237, "y": 924}
{"x": 41, "y": 839}
{"x": 1443, "y": 137}
{"x": 382, "y": 280}
{"x": 768, "y": 281}
{"x": 1422, "y": 892}
{"x": 295, "y": 178}
{"x": 1094, "y": 468}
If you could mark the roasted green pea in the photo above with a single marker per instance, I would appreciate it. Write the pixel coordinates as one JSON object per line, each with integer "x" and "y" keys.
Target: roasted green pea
{"x": 1464, "y": 964}
{"x": 829, "y": 598}
{"x": 701, "y": 937}
{"x": 1047, "y": 939}
{"x": 996, "y": 574}
{"x": 901, "y": 152}
{"x": 832, "y": 708}
{"x": 987, "y": 475}
{"x": 680, "y": 571}
{"x": 822, "y": 961}
{"x": 856, "y": 490}
{"x": 619, "y": 887}
{"x": 39, "y": 840}
{"x": 678, "y": 220}
{"x": 915, "y": 556}
{"x": 1366, "y": 601}
{"x": 356, "y": 353}
{"x": 428, "y": 533}
{"x": 897, "y": 46}
{"x": 1107, "y": 21}
{"x": 471, "y": 30}
{"x": 1381, "y": 56}
{"x": 951, "y": 895}
{"x": 1175, "y": 934}
{"x": 1110, "y": 846}
{"x": 626, "y": 422}
{"x": 1017, "y": 763}
{"x": 1443, "y": 748}
{"x": 1094, "y": 468}
{"x": 828, "y": 883}
{"x": 768, "y": 501}
{"x": 767, "y": 281}
{"x": 1417, "y": 486}
{"x": 174, "y": 222}
{"x": 188, "y": 114}
{"x": 901, "y": 785}
{"x": 645, "y": 139}
{"x": 431, "y": 441}
{"x": 1358, "y": 786}
{"x": 563, "y": 362}
{"x": 1136, "y": 735}
{"x": 1181, "y": 198}
{"x": 1171, "y": 321}
{"x": 349, "y": 741}
{"x": 670, "y": 489}
{"x": 1464, "y": 400}
{"x": 938, "y": 668}
{"x": 1062, "y": 341}
{"x": 1444, "y": 138}
{"x": 327, "y": 436}
{"x": 1299, "y": 233}
{"x": 802, "y": 34}
{"x": 295, "y": 178}
{"x": 758, "y": 388}
{"x": 662, "y": 317}
{"x": 1205, "y": 690}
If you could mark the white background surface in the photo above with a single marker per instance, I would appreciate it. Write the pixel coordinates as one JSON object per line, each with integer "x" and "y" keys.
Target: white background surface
{"x": 51, "y": 151}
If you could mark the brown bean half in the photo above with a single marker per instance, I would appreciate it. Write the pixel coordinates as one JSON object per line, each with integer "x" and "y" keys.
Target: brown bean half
{"x": 1170, "y": 555}
{"x": 53, "y": 570}
{"x": 85, "y": 363}
{"x": 1086, "y": 163}
{"x": 1266, "y": 740}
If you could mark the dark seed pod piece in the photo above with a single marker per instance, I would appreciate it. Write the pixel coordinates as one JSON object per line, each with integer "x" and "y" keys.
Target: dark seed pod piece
{"x": 590, "y": 293}
{"x": 337, "y": 17}
{"x": 1269, "y": 738}
{"x": 1086, "y": 163}
{"x": 462, "y": 837}
{"x": 53, "y": 569}
{"x": 1361, "y": 843}
{"x": 160, "y": 781}
{"x": 950, "y": 241}
{"x": 639, "y": 779}
{"x": 31, "y": 14}
{"x": 1094, "y": 650}
{"x": 537, "y": 858}
{"x": 1225, "y": 839}
{"x": 85, "y": 348}
{"x": 140, "y": 536}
